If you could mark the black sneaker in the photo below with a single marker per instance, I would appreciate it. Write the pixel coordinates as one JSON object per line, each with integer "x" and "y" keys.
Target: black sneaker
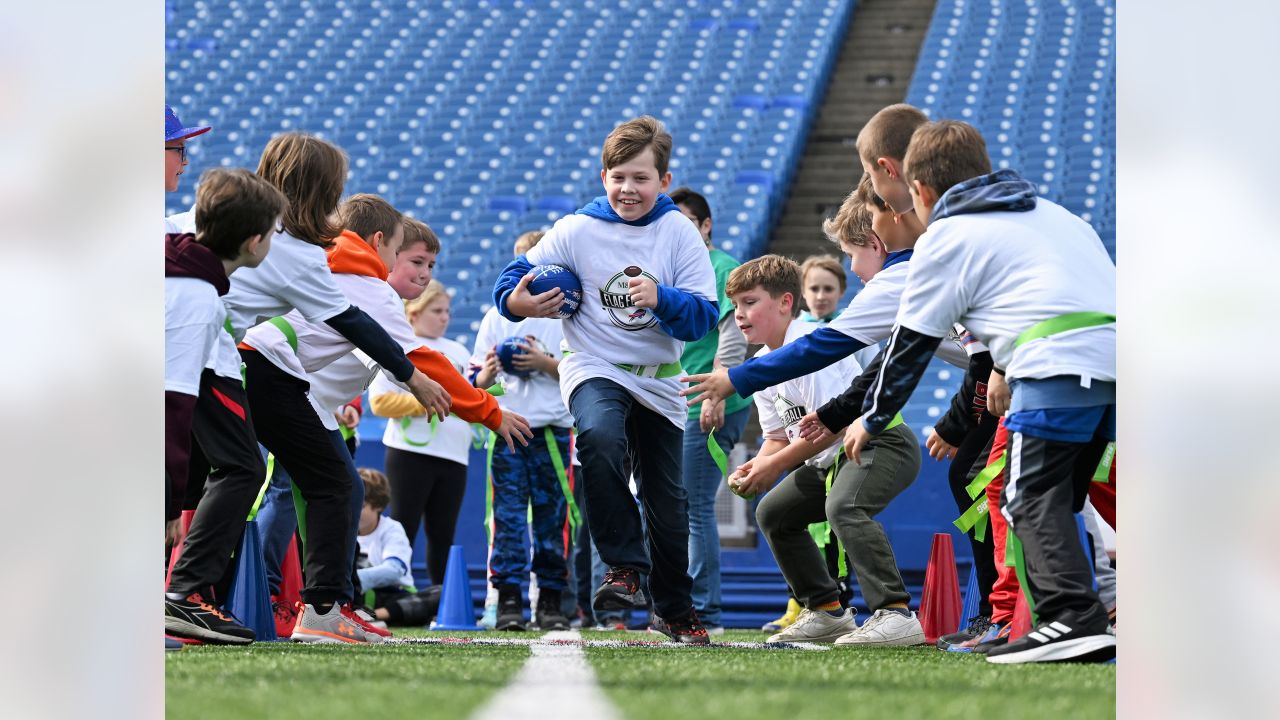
{"x": 510, "y": 608}
{"x": 548, "y": 615}
{"x": 685, "y": 629}
{"x": 1069, "y": 638}
{"x": 619, "y": 591}
{"x": 195, "y": 618}
{"x": 977, "y": 626}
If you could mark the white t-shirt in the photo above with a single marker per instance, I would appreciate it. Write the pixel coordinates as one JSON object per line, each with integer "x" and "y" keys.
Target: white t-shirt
{"x": 781, "y": 406}
{"x": 606, "y": 329}
{"x": 318, "y": 344}
{"x": 451, "y": 439}
{"x": 536, "y": 397}
{"x": 337, "y": 384}
{"x": 999, "y": 273}
{"x": 871, "y": 314}
{"x": 388, "y": 540}
{"x": 193, "y": 319}
{"x": 295, "y": 274}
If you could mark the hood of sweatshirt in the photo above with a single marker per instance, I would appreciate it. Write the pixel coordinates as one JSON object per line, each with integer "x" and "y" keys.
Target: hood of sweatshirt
{"x": 184, "y": 257}
{"x": 1000, "y": 191}
{"x": 352, "y": 255}
{"x": 602, "y": 210}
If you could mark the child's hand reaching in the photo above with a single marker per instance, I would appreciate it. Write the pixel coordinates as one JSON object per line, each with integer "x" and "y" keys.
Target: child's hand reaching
{"x": 753, "y": 477}
{"x": 514, "y": 427}
{"x": 521, "y": 302}
{"x": 938, "y": 448}
{"x": 644, "y": 292}
{"x": 707, "y": 386}
{"x": 812, "y": 429}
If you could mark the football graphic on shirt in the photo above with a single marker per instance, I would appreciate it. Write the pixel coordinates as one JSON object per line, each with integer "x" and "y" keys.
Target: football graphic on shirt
{"x": 615, "y": 297}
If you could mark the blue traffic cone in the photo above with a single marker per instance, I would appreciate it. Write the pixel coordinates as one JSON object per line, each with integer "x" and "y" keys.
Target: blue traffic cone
{"x": 456, "y": 610}
{"x": 971, "y": 599}
{"x": 250, "y": 598}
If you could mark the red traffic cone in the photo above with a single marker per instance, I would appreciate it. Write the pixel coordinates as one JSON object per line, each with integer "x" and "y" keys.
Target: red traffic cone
{"x": 291, "y": 574}
{"x": 940, "y": 603}
{"x": 1021, "y": 623}
{"x": 176, "y": 552}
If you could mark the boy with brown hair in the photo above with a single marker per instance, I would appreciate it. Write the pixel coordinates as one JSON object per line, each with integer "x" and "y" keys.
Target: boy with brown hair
{"x": 1036, "y": 284}
{"x": 238, "y": 212}
{"x": 648, "y": 287}
{"x": 822, "y": 487}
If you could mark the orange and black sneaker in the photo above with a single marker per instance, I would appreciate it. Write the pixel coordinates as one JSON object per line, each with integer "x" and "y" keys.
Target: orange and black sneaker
{"x": 193, "y": 617}
{"x": 685, "y": 629}
{"x": 285, "y": 614}
{"x": 619, "y": 591}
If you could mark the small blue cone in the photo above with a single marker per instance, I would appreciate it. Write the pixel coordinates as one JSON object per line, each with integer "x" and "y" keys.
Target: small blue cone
{"x": 250, "y": 598}
{"x": 456, "y": 610}
{"x": 971, "y": 599}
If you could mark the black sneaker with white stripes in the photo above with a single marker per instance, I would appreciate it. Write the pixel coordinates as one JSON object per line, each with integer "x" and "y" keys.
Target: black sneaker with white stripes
{"x": 194, "y": 617}
{"x": 1069, "y": 638}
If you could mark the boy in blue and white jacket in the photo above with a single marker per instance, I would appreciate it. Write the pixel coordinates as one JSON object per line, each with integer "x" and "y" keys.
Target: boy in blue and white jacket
{"x": 648, "y": 287}
{"x": 1036, "y": 285}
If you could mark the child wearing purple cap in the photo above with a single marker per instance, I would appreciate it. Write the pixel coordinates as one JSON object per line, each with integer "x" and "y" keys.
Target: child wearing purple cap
{"x": 175, "y": 146}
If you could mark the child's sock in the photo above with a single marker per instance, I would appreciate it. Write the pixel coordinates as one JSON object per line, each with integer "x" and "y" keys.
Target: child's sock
{"x": 832, "y": 608}
{"x": 901, "y": 609}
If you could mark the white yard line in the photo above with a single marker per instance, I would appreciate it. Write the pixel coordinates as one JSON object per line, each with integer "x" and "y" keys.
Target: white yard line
{"x": 555, "y": 682}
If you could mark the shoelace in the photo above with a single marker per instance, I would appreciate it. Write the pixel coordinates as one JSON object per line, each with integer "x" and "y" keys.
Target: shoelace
{"x": 199, "y": 601}
{"x": 619, "y": 577}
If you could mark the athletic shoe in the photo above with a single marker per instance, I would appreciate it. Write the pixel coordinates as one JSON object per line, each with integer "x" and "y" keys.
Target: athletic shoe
{"x": 788, "y": 617}
{"x": 285, "y": 614}
{"x": 547, "y": 615}
{"x": 619, "y": 591}
{"x": 994, "y": 638}
{"x": 977, "y": 628}
{"x": 613, "y": 625}
{"x": 992, "y": 634}
{"x": 195, "y": 618}
{"x": 172, "y": 644}
{"x": 510, "y": 609}
{"x": 1069, "y": 638}
{"x": 334, "y": 627}
{"x": 685, "y": 629}
{"x": 886, "y": 628}
{"x": 817, "y": 626}
{"x": 366, "y": 621}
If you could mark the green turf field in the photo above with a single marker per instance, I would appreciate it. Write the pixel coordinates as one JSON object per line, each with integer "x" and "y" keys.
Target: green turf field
{"x": 281, "y": 680}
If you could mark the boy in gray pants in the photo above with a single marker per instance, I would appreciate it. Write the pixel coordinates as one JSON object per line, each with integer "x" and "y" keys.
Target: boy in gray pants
{"x": 824, "y": 486}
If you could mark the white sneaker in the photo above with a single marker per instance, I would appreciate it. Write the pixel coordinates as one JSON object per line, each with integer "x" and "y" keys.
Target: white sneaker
{"x": 886, "y": 628}
{"x": 816, "y": 626}
{"x": 330, "y": 628}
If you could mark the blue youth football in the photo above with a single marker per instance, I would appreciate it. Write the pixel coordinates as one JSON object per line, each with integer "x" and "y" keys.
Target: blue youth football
{"x": 546, "y": 277}
{"x": 507, "y": 350}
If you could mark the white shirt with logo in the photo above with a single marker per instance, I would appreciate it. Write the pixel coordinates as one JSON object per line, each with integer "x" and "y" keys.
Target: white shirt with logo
{"x": 607, "y": 329}
{"x": 451, "y": 437}
{"x": 536, "y": 397}
{"x": 781, "y": 406}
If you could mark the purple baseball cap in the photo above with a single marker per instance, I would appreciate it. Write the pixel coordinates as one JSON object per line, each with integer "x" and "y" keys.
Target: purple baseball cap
{"x": 173, "y": 129}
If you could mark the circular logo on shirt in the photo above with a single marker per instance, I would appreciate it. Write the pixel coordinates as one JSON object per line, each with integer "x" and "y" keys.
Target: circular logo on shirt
{"x": 615, "y": 298}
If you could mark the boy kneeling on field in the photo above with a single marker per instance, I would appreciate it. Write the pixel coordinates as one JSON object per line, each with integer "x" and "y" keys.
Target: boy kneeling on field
{"x": 386, "y": 550}
{"x": 826, "y": 487}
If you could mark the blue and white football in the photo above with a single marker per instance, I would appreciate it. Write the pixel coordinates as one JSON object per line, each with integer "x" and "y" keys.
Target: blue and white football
{"x": 547, "y": 277}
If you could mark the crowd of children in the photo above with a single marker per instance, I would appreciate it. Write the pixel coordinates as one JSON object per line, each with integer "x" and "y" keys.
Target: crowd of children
{"x": 285, "y": 303}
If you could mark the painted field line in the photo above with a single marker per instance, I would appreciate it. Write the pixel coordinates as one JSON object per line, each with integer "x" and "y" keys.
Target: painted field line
{"x": 563, "y": 639}
{"x": 555, "y": 682}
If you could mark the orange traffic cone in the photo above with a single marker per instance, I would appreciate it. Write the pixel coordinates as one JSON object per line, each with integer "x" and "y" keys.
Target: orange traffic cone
{"x": 176, "y": 552}
{"x": 1021, "y": 623}
{"x": 940, "y": 602}
{"x": 291, "y": 574}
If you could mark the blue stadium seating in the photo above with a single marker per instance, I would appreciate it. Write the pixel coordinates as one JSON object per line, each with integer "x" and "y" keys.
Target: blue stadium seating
{"x": 485, "y": 119}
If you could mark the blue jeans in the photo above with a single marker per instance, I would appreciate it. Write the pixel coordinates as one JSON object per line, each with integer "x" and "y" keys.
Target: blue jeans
{"x": 617, "y": 434}
{"x": 520, "y": 479}
{"x": 701, "y": 481}
{"x": 277, "y": 518}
